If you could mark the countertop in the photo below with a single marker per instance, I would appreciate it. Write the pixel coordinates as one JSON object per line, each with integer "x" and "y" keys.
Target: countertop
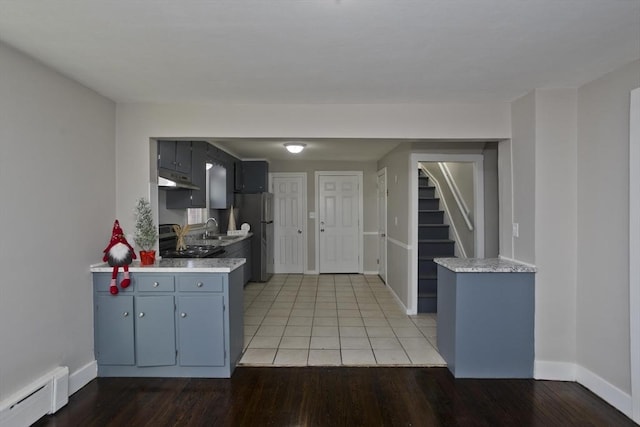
{"x": 483, "y": 265}
{"x": 179, "y": 265}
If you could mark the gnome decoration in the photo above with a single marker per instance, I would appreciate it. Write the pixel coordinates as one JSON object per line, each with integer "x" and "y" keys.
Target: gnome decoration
{"x": 118, "y": 253}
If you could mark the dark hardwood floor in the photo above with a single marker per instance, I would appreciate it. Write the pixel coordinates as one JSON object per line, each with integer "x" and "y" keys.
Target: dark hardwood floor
{"x": 334, "y": 397}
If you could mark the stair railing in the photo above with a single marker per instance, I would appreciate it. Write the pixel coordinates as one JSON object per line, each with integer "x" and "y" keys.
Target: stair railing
{"x": 459, "y": 246}
{"x": 464, "y": 209}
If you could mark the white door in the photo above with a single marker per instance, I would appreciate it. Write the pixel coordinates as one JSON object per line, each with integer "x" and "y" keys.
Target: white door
{"x": 338, "y": 222}
{"x": 382, "y": 224}
{"x": 289, "y": 194}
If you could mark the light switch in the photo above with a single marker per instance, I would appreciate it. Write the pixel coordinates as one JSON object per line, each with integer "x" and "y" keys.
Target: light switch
{"x": 312, "y": 215}
{"x": 516, "y": 229}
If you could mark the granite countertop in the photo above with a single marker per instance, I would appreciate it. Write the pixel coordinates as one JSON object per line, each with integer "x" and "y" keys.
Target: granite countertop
{"x": 483, "y": 265}
{"x": 179, "y": 265}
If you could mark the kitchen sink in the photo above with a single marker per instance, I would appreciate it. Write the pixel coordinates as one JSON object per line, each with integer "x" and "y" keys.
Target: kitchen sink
{"x": 220, "y": 237}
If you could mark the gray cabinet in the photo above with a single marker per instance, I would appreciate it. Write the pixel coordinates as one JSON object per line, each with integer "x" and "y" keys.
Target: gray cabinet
{"x": 169, "y": 325}
{"x": 155, "y": 331}
{"x": 114, "y": 341}
{"x": 181, "y": 199}
{"x": 199, "y": 317}
{"x": 241, "y": 249}
{"x": 255, "y": 176}
{"x": 175, "y": 155}
{"x": 486, "y": 323}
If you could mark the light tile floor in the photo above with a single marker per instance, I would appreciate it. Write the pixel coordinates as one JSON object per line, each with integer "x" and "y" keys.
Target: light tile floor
{"x": 333, "y": 320}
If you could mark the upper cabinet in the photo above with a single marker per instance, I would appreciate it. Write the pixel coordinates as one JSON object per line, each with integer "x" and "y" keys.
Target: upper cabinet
{"x": 255, "y": 176}
{"x": 220, "y": 178}
{"x": 197, "y": 161}
{"x": 175, "y": 155}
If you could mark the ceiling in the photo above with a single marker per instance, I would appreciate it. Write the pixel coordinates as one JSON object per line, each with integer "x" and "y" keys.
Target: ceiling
{"x": 324, "y": 51}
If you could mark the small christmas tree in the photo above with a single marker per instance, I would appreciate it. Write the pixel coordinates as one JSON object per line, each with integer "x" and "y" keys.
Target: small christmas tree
{"x": 146, "y": 232}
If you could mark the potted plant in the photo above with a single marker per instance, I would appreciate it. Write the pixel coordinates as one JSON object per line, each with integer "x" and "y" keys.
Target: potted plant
{"x": 146, "y": 232}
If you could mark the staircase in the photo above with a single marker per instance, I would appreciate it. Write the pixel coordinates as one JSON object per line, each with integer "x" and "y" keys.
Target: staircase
{"x": 433, "y": 242}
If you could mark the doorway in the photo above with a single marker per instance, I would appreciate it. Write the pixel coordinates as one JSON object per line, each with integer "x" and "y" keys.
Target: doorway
{"x": 479, "y": 212}
{"x": 289, "y": 211}
{"x": 339, "y": 238}
{"x": 382, "y": 224}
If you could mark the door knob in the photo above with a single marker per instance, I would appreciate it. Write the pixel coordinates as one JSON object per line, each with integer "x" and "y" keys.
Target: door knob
{"x": 299, "y": 231}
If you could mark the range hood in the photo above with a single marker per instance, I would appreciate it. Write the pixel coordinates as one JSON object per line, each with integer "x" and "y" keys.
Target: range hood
{"x": 172, "y": 180}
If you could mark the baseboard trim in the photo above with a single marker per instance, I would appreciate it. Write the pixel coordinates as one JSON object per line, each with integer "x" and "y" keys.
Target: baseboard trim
{"x": 563, "y": 371}
{"x": 555, "y": 371}
{"x": 82, "y": 376}
{"x": 606, "y": 391}
{"x": 312, "y": 272}
{"x": 371, "y": 273}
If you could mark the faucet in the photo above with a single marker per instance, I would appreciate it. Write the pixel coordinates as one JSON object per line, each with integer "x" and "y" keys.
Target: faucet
{"x": 206, "y": 227}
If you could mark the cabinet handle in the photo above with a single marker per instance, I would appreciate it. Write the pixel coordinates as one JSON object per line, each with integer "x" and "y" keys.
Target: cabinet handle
{"x": 141, "y": 314}
{"x": 199, "y": 284}
{"x": 125, "y": 314}
{"x": 183, "y": 314}
{"x": 156, "y": 284}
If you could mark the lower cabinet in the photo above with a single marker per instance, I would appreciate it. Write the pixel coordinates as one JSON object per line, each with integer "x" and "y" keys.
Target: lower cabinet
{"x": 241, "y": 249}
{"x": 169, "y": 324}
{"x": 155, "y": 336}
{"x": 200, "y": 316}
{"x": 115, "y": 341}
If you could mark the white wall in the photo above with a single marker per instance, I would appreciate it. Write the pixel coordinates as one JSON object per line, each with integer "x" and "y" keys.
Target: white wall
{"x": 523, "y": 124}
{"x": 555, "y": 225}
{"x": 603, "y": 225}
{"x": 57, "y": 166}
{"x": 136, "y": 123}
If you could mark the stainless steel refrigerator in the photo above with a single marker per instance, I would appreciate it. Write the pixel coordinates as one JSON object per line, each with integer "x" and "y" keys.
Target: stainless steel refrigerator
{"x": 257, "y": 211}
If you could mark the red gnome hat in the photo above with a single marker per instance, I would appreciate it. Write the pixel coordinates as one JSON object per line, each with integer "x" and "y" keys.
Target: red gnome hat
{"x": 118, "y": 253}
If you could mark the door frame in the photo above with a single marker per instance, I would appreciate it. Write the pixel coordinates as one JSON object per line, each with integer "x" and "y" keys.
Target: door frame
{"x": 634, "y": 250}
{"x": 478, "y": 211}
{"x": 359, "y": 175}
{"x": 305, "y": 249}
{"x": 383, "y": 260}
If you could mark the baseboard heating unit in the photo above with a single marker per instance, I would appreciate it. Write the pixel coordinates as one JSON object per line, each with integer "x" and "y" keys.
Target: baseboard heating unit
{"x": 44, "y": 396}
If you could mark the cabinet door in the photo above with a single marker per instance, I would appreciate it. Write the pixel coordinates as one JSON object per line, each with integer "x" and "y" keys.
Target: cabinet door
{"x": 114, "y": 330}
{"x": 199, "y": 174}
{"x": 167, "y": 154}
{"x": 237, "y": 176}
{"x": 155, "y": 331}
{"x": 246, "y": 254}
{"x": 201, "y": 330}
{"x": 255, "y": 176}
{"x": 183, "y": 156}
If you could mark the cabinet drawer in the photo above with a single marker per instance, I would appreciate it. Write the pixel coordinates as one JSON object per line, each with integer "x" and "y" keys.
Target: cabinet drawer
{"x": 147, "y": 283}
{"x": 200, "y": 282}
{"x": 101, "y": 282}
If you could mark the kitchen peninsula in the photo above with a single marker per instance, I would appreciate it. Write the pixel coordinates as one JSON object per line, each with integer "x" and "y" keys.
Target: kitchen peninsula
{"x": 177, "y": 318}
{"x": 486, "y": 317}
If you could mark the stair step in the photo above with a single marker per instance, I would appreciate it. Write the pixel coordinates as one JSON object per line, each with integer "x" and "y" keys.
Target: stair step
{"x": 433, "y": 231}
{"x": 427, "y": 304}
{"x": 426, "y": 192}
{"x": 436, "y": 248}
{"x": 429, "y": 204}
{"x": 429, "y": 216}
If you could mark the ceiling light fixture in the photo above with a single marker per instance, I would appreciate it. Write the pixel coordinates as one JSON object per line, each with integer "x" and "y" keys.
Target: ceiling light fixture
{"x": 294, "y": 147}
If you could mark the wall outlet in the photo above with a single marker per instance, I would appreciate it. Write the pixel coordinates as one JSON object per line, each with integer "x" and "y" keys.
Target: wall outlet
{"x": 516, "y": 229}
